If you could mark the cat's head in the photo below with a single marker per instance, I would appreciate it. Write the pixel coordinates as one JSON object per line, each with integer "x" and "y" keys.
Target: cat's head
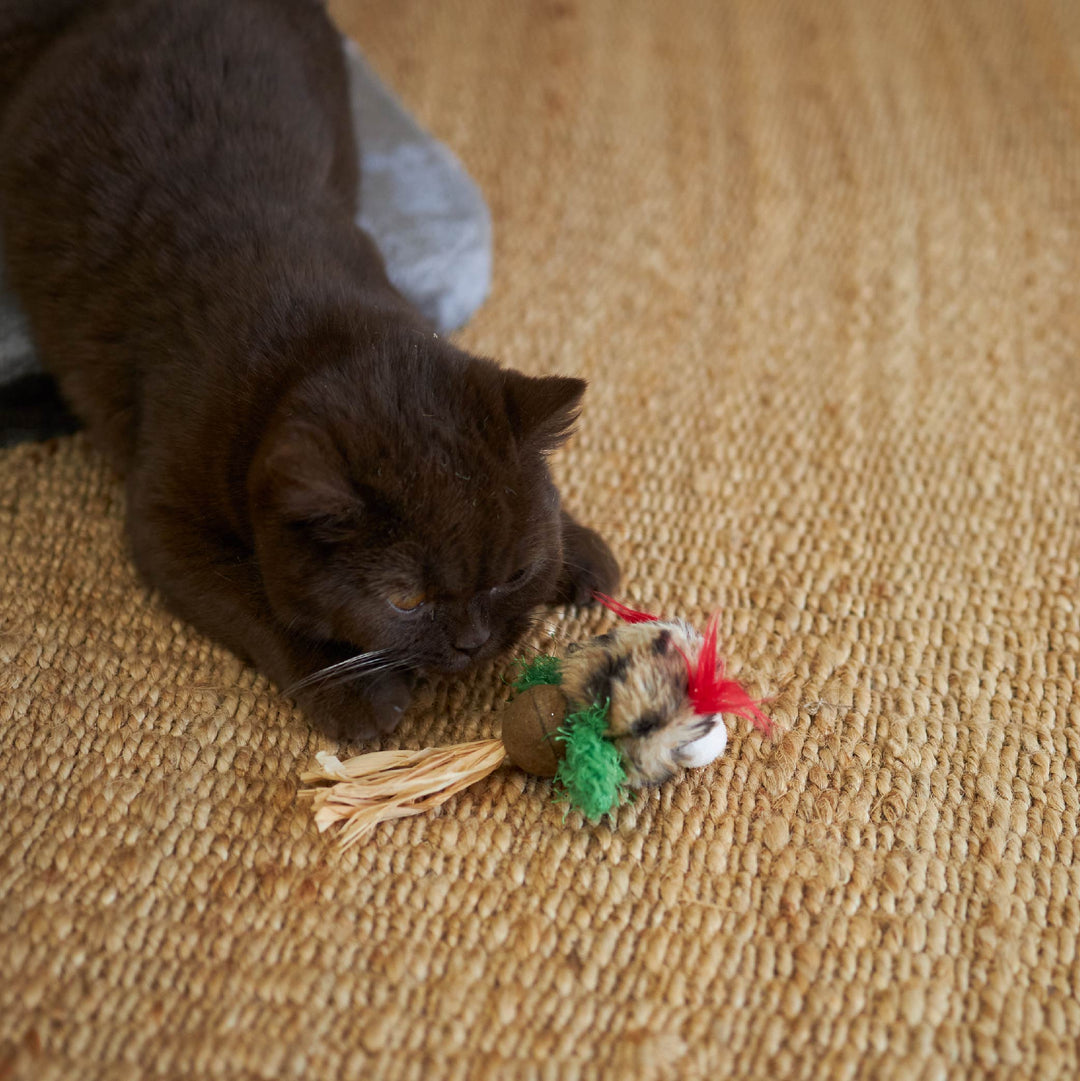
{"x": 407, "y": 505}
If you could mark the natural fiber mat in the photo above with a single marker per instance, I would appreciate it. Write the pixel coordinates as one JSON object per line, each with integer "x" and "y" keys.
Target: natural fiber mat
{"x": 821, "y": 263}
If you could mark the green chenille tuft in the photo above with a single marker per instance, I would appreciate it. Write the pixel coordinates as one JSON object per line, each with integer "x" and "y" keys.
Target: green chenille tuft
{"x": 543, "y": 669}
{"x": 591, "y": 776}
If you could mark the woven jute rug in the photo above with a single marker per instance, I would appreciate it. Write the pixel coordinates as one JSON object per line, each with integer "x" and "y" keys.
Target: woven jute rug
{"x": 821, "y": 263}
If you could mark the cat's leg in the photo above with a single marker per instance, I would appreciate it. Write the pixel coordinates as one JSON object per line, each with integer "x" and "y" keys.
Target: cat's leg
{"x": 588, "y": 564}
{"x": 216, "y": 587}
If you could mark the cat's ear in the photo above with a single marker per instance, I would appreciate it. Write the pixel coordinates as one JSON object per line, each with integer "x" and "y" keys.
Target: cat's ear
{"x": 542, "y": 410}
{"x": 300, "y": 474}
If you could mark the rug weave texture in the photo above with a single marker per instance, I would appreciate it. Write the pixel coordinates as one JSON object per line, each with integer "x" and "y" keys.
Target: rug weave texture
{"x": 820, "y": 261}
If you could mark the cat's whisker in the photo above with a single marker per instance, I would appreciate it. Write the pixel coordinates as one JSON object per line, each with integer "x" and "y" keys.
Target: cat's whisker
{"x": 550, "y": 631}
{"x": 338, "y": 678}
{"x": 375, "y": 658}
{"x": 575, "y": 566}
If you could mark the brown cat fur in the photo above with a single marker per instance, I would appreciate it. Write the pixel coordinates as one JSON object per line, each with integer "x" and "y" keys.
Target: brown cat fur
{"x": 301, "y": 453}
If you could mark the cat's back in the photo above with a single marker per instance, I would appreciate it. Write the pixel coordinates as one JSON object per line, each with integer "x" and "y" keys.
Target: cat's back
{"x": 138, "y": 105}
{"x": 148, "y": 151}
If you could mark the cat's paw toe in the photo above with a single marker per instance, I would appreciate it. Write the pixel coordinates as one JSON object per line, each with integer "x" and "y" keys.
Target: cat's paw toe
{"x": 359, "y": 711}
{"x": 389, "y": 699}
{"x": 588, "y": 566}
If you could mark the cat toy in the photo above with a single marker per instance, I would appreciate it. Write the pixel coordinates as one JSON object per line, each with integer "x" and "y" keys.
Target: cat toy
{"x": 625, "y": 710}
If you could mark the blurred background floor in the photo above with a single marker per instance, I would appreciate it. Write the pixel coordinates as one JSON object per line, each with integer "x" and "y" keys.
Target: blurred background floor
{"x": 820, "y": 263}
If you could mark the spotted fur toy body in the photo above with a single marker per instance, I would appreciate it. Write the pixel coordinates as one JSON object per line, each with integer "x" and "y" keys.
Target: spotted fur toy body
{"x": 640, "y": 670}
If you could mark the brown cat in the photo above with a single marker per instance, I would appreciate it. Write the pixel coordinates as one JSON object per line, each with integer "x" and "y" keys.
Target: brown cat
{"x": 313, "y": 477}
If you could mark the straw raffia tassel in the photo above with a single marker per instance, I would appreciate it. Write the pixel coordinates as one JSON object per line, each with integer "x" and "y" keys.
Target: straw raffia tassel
{"x": 371, "y": 788}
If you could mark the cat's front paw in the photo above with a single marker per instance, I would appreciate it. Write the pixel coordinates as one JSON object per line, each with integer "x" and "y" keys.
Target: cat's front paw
{"x": 362, "y": 709}
{"x": 588, "y": 564}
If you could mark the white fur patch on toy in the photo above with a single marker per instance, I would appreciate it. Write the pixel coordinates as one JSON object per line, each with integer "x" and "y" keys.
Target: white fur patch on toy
{"x": 707, "y": 749}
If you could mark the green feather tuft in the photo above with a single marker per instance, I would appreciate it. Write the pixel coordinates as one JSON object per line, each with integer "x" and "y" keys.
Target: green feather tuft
{"x": 543, "y": 669}
{"x": 590, "y": 776}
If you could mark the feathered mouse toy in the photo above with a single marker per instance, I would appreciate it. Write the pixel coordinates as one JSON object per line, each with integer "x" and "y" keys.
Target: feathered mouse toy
{"x": 624, "y": 710}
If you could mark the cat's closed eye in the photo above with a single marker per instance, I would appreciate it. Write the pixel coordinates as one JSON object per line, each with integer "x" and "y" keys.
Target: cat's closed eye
{"x": 516, "y": 580}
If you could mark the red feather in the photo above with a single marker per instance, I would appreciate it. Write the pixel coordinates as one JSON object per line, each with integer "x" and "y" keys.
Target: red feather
{"x": 629, "y": 615}
{"x": 710, "y": 692}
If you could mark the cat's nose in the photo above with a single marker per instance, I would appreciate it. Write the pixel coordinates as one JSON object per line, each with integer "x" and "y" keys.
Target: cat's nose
{"x": 470, "y": 639}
